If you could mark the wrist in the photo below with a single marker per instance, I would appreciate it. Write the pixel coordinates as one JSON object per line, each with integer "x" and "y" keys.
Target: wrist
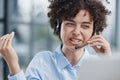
{"x": 14, "y": 68}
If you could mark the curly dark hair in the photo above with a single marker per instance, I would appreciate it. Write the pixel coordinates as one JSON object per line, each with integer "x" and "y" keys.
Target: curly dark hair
{"x": 66, "y": 9}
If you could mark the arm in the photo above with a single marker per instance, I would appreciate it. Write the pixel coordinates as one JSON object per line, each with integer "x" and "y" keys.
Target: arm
{"x": 11, "y": 58}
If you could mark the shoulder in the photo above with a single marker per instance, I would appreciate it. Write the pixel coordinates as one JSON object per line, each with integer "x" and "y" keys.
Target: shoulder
{"x": 41, "y": 58}
{"x": 43, "y": 55}
{"x": 39, "y": 64}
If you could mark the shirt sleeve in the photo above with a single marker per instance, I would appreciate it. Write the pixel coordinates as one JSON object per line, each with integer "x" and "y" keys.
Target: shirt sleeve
{"x": 18, "y": 76}
{"x": 33, "y": 71}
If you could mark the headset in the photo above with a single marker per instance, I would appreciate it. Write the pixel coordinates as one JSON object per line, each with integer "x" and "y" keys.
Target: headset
{"x": 57, "y": 32}
{"x": 57, "y": 28}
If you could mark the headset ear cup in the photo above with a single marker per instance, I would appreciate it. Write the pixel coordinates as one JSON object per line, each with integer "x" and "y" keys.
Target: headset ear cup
{"x": 57, "y": 29}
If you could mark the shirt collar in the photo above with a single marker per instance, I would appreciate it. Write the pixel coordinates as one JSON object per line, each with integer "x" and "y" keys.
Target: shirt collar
{"x": 62, "y": 61}
{"x": 85, "y": 56}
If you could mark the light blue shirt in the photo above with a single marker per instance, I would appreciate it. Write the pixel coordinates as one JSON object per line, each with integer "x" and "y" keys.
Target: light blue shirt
{"x": 50, "y": 66}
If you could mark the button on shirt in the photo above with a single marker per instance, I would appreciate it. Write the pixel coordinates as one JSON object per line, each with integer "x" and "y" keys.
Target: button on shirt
{"x": 50, "y": 66}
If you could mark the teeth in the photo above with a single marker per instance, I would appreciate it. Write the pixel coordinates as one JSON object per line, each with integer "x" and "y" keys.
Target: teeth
{"x": 75, "y": 40}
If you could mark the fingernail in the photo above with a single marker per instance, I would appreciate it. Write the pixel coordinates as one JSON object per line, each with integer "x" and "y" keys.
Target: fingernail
{"x": 12, "y": 33}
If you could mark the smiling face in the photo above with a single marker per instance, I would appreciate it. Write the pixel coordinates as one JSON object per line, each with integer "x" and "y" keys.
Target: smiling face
{"x": 76, "y": 31}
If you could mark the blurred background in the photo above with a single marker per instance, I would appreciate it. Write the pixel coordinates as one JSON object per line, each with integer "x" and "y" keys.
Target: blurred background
{"x": 28, "y": 19}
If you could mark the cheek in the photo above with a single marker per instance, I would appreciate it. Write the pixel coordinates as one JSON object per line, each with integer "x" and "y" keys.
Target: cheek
{"x": 64, "y": 33}
{"x": 89, "y": 34}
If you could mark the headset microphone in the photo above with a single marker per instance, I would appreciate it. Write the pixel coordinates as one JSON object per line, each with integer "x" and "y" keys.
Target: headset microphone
{"x": 77, "y": 47}
{"x": 80, "y": 46}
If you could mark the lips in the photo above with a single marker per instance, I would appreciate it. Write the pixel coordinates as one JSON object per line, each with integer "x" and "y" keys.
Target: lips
{"x": 75, "y": 41}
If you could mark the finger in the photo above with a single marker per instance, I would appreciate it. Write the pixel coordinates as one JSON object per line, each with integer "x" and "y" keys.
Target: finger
{"x": 2, "y": 40}
{"x": 97, "y": 36}
{"x": 96, "y": 40}
{"x": 6, "y": 41}
{"x": 3, "y": 37}
{"x": 98, "y": 50}
{"x": 98, "y": 45}
{"x": 10, "y": 39}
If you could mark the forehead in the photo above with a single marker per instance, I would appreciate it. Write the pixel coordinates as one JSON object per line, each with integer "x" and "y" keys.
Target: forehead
{"x": 82, "y": 16}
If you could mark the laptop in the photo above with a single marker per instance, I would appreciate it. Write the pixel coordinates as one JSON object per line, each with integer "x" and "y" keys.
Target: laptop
{"x": 101, "y": 68}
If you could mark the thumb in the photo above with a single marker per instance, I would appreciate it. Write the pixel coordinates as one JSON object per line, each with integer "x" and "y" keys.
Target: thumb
{"x": 11, "y": 38}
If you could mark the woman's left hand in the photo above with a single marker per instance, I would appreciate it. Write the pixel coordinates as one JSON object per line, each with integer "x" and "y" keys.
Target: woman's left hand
{"x": 100, "y": 45}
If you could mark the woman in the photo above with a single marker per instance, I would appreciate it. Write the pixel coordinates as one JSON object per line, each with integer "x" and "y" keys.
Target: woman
{"x": 77, "y": 23}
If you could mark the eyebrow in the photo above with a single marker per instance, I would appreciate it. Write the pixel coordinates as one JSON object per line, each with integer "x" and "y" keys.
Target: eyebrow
{"x": 85, "y": 22}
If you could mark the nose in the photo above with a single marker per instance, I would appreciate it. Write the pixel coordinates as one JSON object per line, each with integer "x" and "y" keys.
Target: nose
{"x": 76, "y": 31}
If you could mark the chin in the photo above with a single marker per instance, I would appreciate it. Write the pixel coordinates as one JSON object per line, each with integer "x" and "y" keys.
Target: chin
{"x": 71, "y": 47}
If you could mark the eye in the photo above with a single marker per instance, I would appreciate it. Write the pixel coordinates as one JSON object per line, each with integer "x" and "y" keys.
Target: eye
{"x": 85, "y": 26}
{"x": 70, "y": 24}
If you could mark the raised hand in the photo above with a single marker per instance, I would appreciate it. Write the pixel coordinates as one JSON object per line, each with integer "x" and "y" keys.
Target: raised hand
{"x": 100, "y": 45}
{"x": 9, "y": 53}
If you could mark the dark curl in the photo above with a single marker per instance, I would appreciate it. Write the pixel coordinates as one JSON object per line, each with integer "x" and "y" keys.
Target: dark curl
{"x": 66, "y": 9}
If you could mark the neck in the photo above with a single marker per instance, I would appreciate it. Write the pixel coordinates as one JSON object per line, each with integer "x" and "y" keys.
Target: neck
{"x": 73, "y": 55}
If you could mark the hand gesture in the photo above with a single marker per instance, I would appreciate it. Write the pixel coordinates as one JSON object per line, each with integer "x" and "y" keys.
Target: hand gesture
{"x": 100, "y": 45}
{"x": 9, "y": 53}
